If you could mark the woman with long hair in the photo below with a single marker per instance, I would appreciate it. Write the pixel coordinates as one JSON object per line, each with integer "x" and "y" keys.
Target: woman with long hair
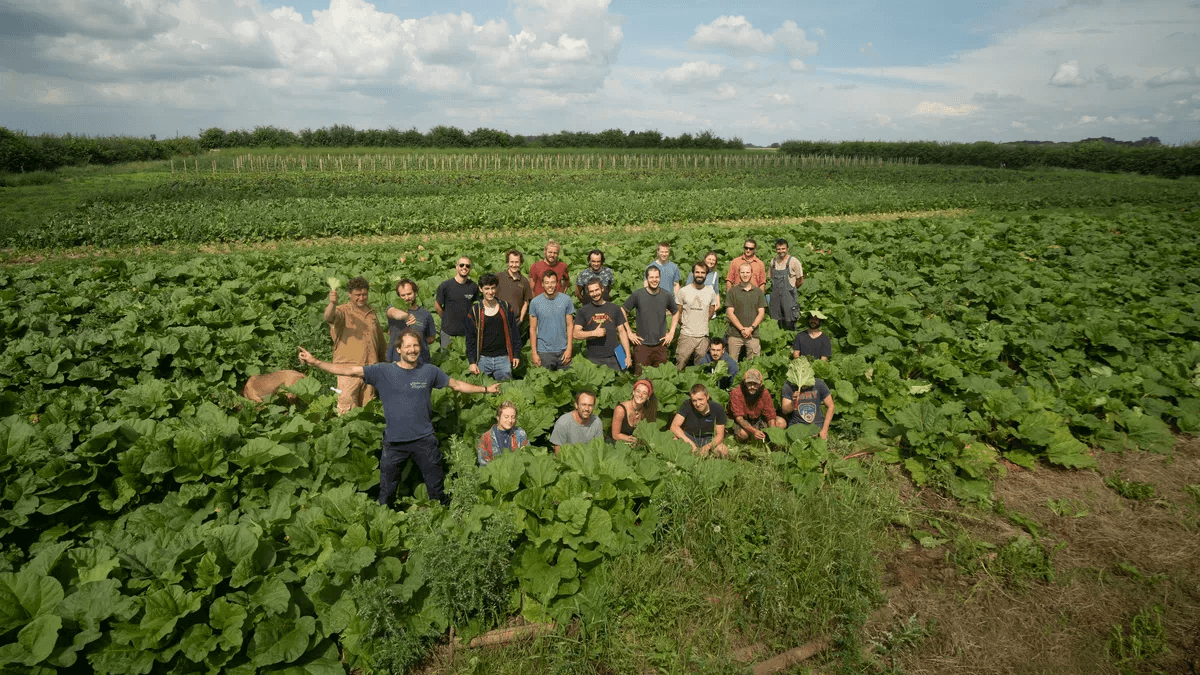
{"x": 628, "y": 414}
{"x": 504, "y": 435}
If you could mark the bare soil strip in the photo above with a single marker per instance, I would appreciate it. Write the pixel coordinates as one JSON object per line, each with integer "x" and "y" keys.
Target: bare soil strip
{"x": 18, "y": 257}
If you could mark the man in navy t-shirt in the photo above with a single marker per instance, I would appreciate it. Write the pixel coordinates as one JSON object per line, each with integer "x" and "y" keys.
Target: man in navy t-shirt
{"x": 406, "y": 391}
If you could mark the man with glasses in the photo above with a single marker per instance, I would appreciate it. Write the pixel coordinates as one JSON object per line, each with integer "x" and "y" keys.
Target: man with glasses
{"x": 454, "y": 298}
{"x": 758, "y": 271}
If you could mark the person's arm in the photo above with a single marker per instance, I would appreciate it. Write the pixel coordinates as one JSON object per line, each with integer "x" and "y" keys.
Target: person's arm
{"x": 514, "y": 329}
{"x": 758, "y": 319}
{"x": 617, "y": 422}
{"x": 533, "y": 323}
{"x": 339, "y": 369}
{"x": 733, "y": 321}
{"x": 828, "y": 416}
{"x": 718, "y": 439}
{"x": 331, "y": 308}
{"x": 468, "y": 388}
{"x": 788, "y": 403}
{"x": 581, "y": 334}
{"x": 623, "y": 336}
{"x": 524, "y": 312}
{"x": 566, "y": 357}
{"x": 671, "y": 331}
{"x": 472, "y": 334}
{"x": 397, "y": 314}
{"x": 677, "y": 429}
{"x": 437, "y": 300}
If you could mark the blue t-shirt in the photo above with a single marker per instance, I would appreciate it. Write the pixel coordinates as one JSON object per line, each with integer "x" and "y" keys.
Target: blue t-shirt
{"x": 809, "y": 409}
{"x": 668, "y": 275}
{"x": 552, "y": 321}
{"x": 407, "y": 397}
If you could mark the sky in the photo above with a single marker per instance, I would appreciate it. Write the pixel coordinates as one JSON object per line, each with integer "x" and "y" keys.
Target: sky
{"x": 762, "y": 70}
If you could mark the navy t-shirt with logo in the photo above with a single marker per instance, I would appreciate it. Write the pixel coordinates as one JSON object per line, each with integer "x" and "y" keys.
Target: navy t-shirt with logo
{"x": 456, "y": 299}
{"x": 407, "y": 398}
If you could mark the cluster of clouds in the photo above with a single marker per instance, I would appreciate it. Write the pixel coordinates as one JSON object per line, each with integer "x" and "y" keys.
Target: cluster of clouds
{"x": 566, "y": 64}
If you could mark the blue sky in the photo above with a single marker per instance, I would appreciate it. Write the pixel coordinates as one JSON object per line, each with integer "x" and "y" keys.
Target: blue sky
{"x": 764, "y": 71}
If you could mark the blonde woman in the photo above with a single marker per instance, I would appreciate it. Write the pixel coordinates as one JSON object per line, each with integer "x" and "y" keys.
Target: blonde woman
{"x": 628, "y": 414}
{"x": 504, "y": 435}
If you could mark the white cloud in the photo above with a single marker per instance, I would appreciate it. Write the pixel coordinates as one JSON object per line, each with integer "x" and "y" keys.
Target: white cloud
{"x": 779, "y": 99}
{"x": 732, "y": 33}
{"x": 820, "y": 32}
{"x": 726, "y": 92}
{"x": 1087, "y": 119}
{"x": 1175, "y": 76}
{"x": 794, "y": 41}
{"x": 692, "y": 72}
{"x": 884, "y": 121}
{"x": 934, "y": 109}
{"x": 1067, "y": 75}
{"x": 1019, "y": 125}
{"x": 797, "y": 65}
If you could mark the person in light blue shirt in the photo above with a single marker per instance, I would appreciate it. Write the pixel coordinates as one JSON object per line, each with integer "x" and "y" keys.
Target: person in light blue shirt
{"x": 551, "y": 323}
{"x": 669, "y": 274}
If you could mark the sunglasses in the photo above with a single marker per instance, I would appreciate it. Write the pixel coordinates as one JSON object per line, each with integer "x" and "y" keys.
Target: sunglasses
{"x": 751, "y": 248}
{"x": 466, "y": 265}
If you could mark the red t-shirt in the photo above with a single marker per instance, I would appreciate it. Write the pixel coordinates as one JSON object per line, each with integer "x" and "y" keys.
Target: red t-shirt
{"x": 739, "y": 407}
{"x": 539, "y": 268}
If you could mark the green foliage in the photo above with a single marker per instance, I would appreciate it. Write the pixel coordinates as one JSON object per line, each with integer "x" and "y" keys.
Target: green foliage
{"x": 1129, "y": 489}
{"x": 1145, "y": 638}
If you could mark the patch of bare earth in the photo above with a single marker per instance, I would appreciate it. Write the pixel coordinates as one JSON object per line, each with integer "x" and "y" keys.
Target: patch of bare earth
{"x": 1112, "y": 557}
{"x": 17, "y": 257}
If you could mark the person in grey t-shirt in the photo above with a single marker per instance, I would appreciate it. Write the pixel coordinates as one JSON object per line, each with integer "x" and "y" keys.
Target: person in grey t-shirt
{"x": 578, "y": 426}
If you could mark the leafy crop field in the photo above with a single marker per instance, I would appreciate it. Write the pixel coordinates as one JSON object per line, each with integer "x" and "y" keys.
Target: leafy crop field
{"x": 152, "y": 520}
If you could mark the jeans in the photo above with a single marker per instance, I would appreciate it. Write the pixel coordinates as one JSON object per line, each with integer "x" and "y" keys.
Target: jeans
{"x": 498, "y": 367}
{"x": 429, "y": 460}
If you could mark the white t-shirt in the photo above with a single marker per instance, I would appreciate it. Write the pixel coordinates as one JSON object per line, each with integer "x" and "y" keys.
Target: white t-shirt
{"x": 697, "y": 304}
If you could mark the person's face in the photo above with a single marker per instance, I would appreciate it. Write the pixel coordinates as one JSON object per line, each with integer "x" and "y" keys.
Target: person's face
{"x": 514, "y": 264}
{"x": 489, "y": 292}
{"x": 752, "y": 389}
{"x": 664, "y": 252}
{"x": 698, "y": 274}
{"x": 641, "y": 394}
{"x": 550, "y": 285}
{"x": 716, "y": 350}
{"x": 584, "y": 405}
{"x": 781, "y": 251}
{"x": 652, "y": 278}
{"x": 507, "y": 419}
{"x": 552, "y": 253}
{"x": 710, "y": 261}
{"x": 407, "y": 294}
{"x": 595, "y": 262}
{"x": 700, "y": 402}
{"x": 744, "y": 274}
{"x": 463, "y": 267}
{"x": 748, "y": 250}
{"x": 359, "y": 296}
{"x": 410, "y": 349}
{"x": 596, "y": 293}
{"x": 814, "y": 322}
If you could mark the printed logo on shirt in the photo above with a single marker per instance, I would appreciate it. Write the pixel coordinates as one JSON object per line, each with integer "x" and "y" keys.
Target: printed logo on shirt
{"x": 418, "y": 385}
{"x": 808, "y": 412}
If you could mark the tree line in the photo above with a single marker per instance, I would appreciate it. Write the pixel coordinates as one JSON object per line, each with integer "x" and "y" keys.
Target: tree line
{"x": 1099, "y": 155}
{"x": 20, "y": 152}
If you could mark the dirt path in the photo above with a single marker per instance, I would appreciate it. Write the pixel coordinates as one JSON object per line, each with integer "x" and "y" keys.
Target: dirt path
{"x": 17, "y": 257}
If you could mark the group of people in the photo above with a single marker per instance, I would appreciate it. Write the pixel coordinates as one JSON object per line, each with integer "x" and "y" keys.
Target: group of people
{"x": 503, "y": 311}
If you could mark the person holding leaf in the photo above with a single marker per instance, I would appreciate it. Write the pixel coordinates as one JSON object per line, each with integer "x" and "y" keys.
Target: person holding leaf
{"x": 357, "y": 339}
{"x": 406, "y": 391}
{"x": 804, "y": 394}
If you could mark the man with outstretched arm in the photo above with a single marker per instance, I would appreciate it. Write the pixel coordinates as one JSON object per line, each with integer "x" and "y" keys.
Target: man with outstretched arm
{"x": 406, "y": 392}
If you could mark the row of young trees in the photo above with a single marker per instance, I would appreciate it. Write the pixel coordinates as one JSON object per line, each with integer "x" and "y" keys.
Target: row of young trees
{"x": 1091, "y": 155}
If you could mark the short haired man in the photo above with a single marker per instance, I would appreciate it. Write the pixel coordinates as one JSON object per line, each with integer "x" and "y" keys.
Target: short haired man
{"x": 515, "y": 289}
{"x": 745, "y": 306}
{"x": 701, "y": 424}
{"x": 716, "y": 354}
{"x": 758, "y": 271}
{"x": 786, "y": 276}
{"x": 412, "y": 317}
{"x": 550, "y": 261}
{"x": 670, "y": 275}
{"x": 493, "y": 336}
{"x": 578, "y": 426}
{"x": 406, "y": 391}
{"x": 651, "y": 307}
{"x": 752, "y": 408}
{"x": 595, "y": 271}
{"x": 813, "y": 343}
{"x": 357, "y": 340}
{"x": 551, "y": 325}
{"x": 697, "y": 304}
{"x": 602, "y": 325}
{"x": 453, "y": 299}
{"x": 803, "y": 396}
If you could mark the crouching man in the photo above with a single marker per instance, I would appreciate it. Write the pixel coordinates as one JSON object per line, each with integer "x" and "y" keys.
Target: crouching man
{"x": 406, "y": 391}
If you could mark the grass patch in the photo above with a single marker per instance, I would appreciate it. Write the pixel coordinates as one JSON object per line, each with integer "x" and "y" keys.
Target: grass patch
{"x": 1129, "y": 489}
{"x": 1144, "y": 638}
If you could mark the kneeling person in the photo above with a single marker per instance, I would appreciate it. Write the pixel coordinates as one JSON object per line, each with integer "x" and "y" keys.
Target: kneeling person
{"x": 752, "y": 408}
{"x": 579, "y": 425}
{"x": 701, "y": 424}
{"x": 803, "y": 396}
{"x": 406, "y": 390}
{"x": 504, "y": 436}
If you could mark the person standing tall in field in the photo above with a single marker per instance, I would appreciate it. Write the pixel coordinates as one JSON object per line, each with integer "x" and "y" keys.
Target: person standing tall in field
{"x": 758, "y": 271}
{"x": 515, "y": 289}
{"x": 651, "y": 307}
{"x": 493, "y": 339}
{"x": 414, "y": 317}
{"x": 550, "y": 262}
{"x": 697, "y": 304}
{"x": 406, "y": 391}
{"x": 551, "y": 325}
{"x": 602, "y": 325}
{"x": 454, "y": 298}
{"x": 745, "y": 305}
{"x": 786, "y": 276}
{"x": 357, "y": 340}
{"x": 669, "y": 274}
{"x": 595, "y": 271}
